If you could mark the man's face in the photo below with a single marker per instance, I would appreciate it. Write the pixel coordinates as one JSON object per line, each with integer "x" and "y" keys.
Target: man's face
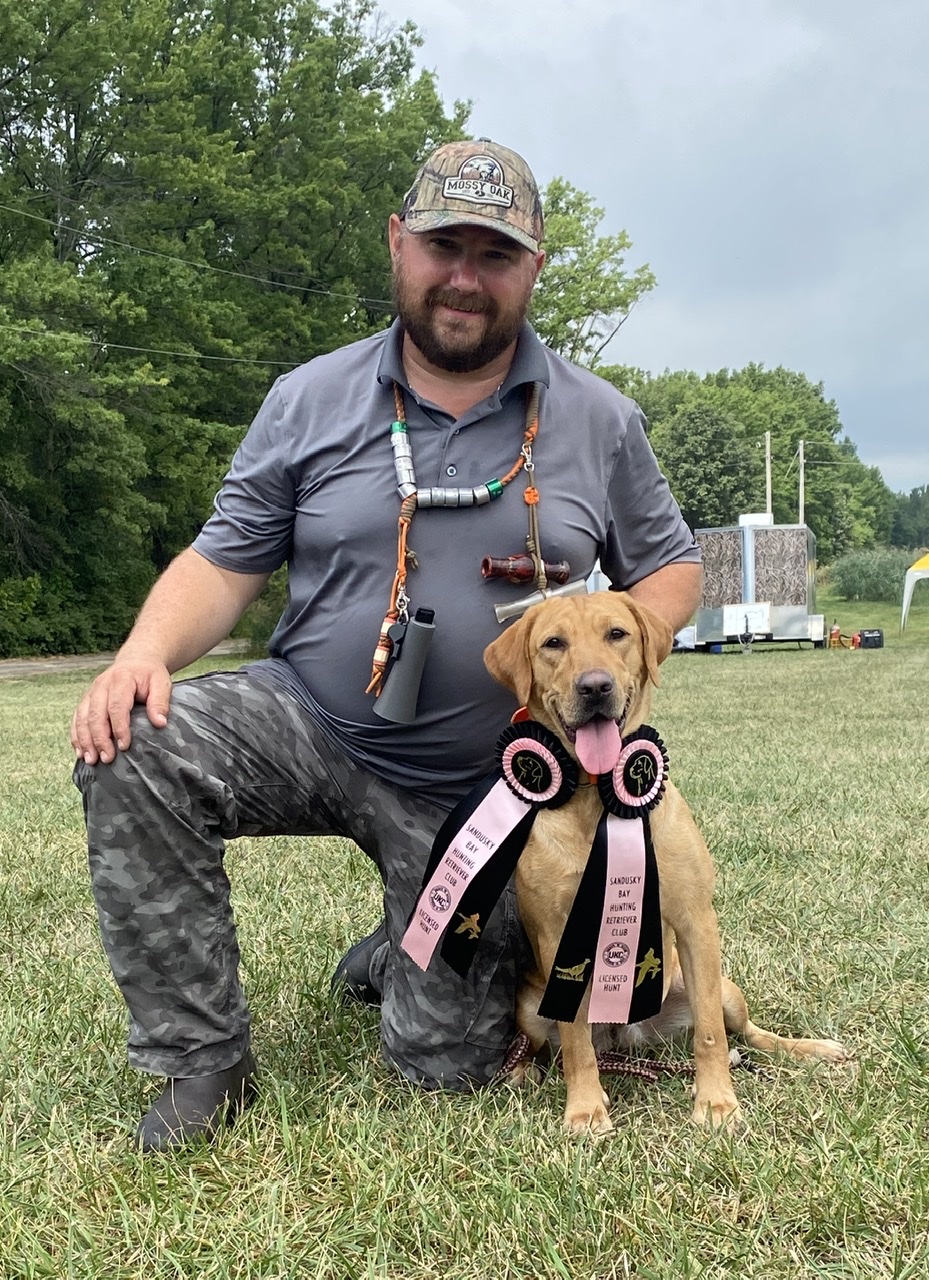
{"x": 461, "y": 292}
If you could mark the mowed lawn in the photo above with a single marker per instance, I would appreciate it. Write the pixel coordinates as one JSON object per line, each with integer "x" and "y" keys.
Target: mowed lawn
{"x": 808, "y": 772}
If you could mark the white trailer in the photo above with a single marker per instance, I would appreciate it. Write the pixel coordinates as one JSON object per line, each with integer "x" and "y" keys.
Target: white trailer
{"x": 759, "y": 584}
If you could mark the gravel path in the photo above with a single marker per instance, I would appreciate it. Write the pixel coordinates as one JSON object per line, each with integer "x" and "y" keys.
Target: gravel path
{"x": 18, "y": 668}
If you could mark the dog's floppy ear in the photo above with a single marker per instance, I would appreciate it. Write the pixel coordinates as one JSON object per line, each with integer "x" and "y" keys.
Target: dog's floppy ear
{"x": 507, "y": 660}
{"x": 657, "y": 637}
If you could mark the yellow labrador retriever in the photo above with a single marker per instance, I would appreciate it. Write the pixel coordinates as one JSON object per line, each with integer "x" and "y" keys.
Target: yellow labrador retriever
{"x": 583, "y": 666}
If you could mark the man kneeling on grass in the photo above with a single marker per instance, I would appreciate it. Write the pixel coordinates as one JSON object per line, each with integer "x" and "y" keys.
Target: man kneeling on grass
{"x": 294, "y": 744}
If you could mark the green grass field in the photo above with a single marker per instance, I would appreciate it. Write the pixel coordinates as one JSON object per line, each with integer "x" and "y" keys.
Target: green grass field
{"x": 807, "y": 770}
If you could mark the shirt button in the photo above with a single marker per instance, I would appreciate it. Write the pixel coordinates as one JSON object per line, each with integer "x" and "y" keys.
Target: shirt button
{"x": 451, "y": 471}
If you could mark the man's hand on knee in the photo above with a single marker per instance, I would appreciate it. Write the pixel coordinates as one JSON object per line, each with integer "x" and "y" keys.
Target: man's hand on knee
{"x": 100, "y": 725}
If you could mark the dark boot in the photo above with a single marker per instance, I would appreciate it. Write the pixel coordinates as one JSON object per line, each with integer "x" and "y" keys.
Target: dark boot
{"x": 352, "y": 977}
{"x": 193, "y": 1108}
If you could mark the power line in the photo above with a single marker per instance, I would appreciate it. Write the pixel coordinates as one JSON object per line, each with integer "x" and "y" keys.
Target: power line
{"x": 151, "y": 351}
{"x": 60, "y": 197}
{"x": 199, "y": 266}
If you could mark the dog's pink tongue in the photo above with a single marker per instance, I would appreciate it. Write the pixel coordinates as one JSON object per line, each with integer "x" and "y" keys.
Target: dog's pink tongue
{"x": 598, "y": 744}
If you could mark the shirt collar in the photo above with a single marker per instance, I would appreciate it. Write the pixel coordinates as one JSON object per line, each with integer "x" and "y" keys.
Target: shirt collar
{"x": 529, "y": 363}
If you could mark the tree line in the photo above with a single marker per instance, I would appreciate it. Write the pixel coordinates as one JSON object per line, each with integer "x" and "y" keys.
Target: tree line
{"x": 193, "y": 200}
{"x": 709, "y": 435}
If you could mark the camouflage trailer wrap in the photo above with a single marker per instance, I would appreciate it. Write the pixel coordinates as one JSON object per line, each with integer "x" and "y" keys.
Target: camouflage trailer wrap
{"x": 756, "y": 564}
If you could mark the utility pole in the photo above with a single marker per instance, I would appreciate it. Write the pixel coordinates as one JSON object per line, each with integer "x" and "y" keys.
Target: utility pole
{"x": 802, "y": 484}
{"x": 767, "y": 473}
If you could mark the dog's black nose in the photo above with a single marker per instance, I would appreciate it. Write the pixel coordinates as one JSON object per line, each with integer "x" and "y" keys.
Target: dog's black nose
{"x": 594, "y": 685}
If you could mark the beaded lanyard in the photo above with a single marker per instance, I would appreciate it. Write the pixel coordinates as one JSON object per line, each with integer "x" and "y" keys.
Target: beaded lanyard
{"x": 412, "y": 497}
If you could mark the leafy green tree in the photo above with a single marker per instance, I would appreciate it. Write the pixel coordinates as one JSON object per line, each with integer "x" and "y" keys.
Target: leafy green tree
{"x": 846, "y": 504}
{"x": 910, "y": 520}
{"x": 192, "y": 200}
{"x": 715, "y": 470}
{"x": 584, "y": 293}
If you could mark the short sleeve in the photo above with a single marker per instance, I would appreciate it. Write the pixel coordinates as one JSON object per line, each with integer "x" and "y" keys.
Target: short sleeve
{"x": 251, "y": 528}
{"x": 645, "y": 530}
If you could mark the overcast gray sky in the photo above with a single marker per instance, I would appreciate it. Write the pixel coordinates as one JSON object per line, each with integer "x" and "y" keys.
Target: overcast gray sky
{"x": 770, "y": 161}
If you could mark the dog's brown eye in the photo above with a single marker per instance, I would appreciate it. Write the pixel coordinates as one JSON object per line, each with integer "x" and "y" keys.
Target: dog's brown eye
{"x": 554, "y": 642}
{"x": 617, "y": 633}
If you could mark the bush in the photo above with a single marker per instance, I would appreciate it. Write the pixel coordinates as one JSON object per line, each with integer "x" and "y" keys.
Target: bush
{"x": 871, "y": 575}
{"x": 18, "y": 597}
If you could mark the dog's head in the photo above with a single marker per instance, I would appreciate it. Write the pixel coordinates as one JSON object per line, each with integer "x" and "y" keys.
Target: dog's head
{"x": 582, "y": 666}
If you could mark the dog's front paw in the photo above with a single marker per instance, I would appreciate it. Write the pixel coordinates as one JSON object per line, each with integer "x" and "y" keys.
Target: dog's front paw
{"x": 585, "y": 1117}
{"x": 832, "y": 1051}
{"x": 722, "y": 1112}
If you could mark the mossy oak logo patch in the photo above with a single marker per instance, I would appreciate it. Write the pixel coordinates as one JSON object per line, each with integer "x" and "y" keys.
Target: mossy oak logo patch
{"x": 480, "y": 180}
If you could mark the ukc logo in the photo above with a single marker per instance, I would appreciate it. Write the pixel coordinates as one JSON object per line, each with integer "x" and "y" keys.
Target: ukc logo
{"x": 481, "y": 180}
{"x": 440, "y": 899}
{"x": 616, "y": 955}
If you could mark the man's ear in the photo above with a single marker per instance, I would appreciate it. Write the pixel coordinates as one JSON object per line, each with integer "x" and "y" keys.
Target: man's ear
{"x": 657, "y": 636}
{"x": 395, "y": 231}
{"x": 507, "y": 660}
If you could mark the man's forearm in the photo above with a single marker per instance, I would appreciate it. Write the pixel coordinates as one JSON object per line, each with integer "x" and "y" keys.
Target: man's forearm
{"x": 673, "y": 592}
{"x": 192, "y": 606}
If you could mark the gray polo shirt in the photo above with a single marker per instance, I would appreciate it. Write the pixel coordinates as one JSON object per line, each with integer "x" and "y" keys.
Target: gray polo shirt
{"x": 313, "y": 485}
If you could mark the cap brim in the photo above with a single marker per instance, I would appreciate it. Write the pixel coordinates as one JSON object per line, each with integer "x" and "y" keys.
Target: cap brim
{"x": 420, "y": 220}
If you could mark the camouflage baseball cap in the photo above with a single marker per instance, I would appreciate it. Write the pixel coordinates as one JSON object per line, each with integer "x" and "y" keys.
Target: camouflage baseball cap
{"x": 478, "y": 184}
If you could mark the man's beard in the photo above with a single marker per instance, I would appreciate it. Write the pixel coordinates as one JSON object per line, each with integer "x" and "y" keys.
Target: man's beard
{"x": 417, "y": 315}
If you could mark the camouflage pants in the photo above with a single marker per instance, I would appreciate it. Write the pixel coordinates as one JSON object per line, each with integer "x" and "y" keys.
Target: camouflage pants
{"x": 239, "y": 757}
